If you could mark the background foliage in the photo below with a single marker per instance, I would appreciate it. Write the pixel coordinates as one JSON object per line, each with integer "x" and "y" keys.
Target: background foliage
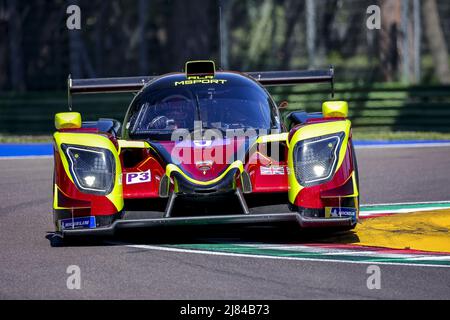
{"x": 145, "y": 37}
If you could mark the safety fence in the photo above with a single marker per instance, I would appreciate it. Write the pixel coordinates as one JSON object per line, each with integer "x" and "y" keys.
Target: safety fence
{"x": 393, "y": 107}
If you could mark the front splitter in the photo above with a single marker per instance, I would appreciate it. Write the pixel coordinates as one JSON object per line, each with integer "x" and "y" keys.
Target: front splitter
{"x": 304, "y": 222}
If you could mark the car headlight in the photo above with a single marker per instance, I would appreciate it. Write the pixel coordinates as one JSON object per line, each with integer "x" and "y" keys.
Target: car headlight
{"x": 92, "y": 169}
{"x": 315, "y": 159}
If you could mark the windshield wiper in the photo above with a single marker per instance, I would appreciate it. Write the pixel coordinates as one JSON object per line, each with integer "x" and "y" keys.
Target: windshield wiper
{"x": 197, "y": 102}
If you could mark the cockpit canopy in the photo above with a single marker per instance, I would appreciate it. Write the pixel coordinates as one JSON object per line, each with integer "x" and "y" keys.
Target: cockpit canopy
{"x": 236, "y": 103}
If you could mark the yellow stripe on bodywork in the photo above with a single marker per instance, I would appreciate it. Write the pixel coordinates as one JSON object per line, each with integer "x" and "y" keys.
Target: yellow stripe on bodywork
{"x": 355, "y": 186}
{"x": 126, "y": 144}
{"x": 55, "y": 197}
{"x": 173, "y": 168}
{"x": 272, "y": 138}
{"x": 313, "y": 131}
{"x": 132, "y": 144}
{"x": 96, "y": 141}
{"x": 278, "y": 137}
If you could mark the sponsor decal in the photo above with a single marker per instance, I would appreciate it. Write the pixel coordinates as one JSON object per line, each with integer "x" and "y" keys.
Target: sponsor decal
{"x": 338, "y": 212}
{"x": 78, "y": 223}
{"x": 199, "y": 80}
{"x": 138, "y": 177}
{"x": 272, "y": 171}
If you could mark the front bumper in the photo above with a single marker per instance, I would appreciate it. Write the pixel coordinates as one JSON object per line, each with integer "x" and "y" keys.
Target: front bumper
{"x": 304, "y": 222}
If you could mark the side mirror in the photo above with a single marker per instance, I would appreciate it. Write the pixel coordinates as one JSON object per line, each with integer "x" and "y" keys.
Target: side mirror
{"x": 67, "y": 120}
{"x": 109, "y": 125}
{"x": 104, "y": 125}
{"x": 283, "y": 105}
{"x": 335, "y": 109}
{"x": 297, "y": 117}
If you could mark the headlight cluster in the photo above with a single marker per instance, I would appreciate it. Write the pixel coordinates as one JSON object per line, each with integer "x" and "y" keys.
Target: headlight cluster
{"x": 92, "y": 169}
{"x": 315, "y": 159}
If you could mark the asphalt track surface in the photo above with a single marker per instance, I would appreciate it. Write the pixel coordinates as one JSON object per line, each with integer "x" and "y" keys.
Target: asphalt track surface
{"x": 31, "y": 268}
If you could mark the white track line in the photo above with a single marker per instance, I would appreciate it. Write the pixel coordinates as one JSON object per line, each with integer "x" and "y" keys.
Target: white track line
{"x": 403, "y": 203}
{"x": 368, "y": 213}
{"x": 241, "y": 255}
{"x": 350, "y": 252}
{"x": 394, "y": 211}
{"x": 334, "y": 252}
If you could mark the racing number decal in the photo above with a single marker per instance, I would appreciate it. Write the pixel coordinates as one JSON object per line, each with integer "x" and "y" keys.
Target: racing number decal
{"x": 138, "y": 177}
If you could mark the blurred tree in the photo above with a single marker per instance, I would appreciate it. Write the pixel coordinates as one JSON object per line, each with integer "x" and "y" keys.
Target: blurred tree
{"x": 143, "y": 50}
{"x": 125, "y": 38}
{"x": 329, "y": 17}
{"x": 292, "y": 10}
{"x": 3, "y": 47}
{"x": 436, "y": 40}
{"x": 225, "y": 6}
{"x": 193, "y": 31}
{"x": 389, "y": 38}
{"x": 15, "y": 46}
{"x": 75, "y": 42}
{"x": 262, "y": 26}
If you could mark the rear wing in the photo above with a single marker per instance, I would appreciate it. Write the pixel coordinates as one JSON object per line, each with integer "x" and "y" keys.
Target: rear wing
{"x": 135, "y": 84}
{"x": 104, "y": 85}
{"x": 289, "y": 78}
{"x": 284, "y": 78}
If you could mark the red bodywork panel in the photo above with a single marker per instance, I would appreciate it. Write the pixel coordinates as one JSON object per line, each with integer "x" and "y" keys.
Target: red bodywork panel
{"x": 312, "y": 197}
{"x": 150, "y": 187}
{"x": 70, "y": 196}
{"x": 190, "y": 155}
{"x": 266, "y": 175}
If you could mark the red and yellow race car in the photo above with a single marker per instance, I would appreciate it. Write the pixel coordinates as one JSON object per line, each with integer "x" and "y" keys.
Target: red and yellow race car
{"x": 204, "y": 147}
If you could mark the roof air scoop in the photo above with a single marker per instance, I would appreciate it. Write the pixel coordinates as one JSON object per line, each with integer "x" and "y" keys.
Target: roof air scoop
{"x": 202, "y": 68}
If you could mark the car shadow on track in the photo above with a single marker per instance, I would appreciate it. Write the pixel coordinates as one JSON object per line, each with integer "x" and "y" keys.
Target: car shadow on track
{"x": 276, "y": 234}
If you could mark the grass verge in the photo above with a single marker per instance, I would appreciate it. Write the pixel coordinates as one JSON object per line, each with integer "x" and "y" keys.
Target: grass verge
{"x": 399, "y": 135}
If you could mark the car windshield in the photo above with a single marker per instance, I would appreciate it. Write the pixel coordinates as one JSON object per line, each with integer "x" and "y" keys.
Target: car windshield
{"x": 214, "y": 107}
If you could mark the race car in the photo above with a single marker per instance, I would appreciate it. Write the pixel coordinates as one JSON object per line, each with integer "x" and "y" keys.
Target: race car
{"x": 203, "y": 146}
